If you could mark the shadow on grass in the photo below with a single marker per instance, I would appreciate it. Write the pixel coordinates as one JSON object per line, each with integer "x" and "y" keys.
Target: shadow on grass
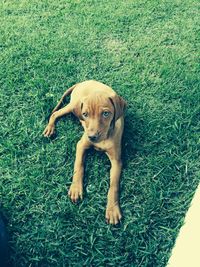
{"x": 133, "y": 137}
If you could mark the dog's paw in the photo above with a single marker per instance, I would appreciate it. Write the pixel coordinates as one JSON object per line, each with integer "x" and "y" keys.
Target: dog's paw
{"x": 113, "y": 214}
{"x": 75, "y": 192}
{"x": 49, "y": 130}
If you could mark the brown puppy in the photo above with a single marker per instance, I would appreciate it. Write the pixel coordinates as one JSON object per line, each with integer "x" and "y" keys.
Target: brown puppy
{"x": 100, "y": 111}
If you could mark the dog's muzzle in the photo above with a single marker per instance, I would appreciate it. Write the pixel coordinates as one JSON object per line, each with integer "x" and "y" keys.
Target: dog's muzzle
{"x": 93, "y": 138}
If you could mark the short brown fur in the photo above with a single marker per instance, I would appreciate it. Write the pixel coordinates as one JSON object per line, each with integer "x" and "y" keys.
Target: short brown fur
{"x": 100, "y": 111}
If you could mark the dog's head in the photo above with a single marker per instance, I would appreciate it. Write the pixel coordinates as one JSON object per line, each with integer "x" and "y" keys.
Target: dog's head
{"x": 99, "y": 113}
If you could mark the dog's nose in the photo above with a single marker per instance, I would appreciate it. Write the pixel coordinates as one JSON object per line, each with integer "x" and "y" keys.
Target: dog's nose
{"x": 93, "y": 138}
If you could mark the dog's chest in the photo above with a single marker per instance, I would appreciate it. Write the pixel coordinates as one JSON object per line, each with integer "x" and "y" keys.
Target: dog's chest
{"x": 103, "y": 146}
{"x": 99, "y": 149}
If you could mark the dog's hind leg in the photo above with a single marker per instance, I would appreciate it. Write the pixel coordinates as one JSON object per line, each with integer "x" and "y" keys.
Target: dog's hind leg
{"x": 49, "y": 130}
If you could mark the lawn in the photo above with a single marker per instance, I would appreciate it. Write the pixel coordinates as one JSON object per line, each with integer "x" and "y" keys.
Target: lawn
{"x": 146, "y": 51}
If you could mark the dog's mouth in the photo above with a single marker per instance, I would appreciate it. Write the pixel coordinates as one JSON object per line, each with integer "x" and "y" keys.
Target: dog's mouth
{"x": 96, "y": 138}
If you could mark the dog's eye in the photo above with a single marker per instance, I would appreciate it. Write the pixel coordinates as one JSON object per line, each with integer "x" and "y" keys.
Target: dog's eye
{"x": 106, "y": 114}
{"x": 85, "y": 114}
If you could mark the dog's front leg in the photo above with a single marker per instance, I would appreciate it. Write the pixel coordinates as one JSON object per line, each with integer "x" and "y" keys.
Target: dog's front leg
{"x": 76, "y": 188}
{"x": 113, "y": 213}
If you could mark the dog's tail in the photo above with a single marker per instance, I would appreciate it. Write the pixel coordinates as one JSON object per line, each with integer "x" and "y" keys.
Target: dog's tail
{"x": 66, "y": 93}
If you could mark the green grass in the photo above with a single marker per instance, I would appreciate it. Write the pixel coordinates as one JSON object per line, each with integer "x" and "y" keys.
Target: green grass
{"x": 145, "y": 50}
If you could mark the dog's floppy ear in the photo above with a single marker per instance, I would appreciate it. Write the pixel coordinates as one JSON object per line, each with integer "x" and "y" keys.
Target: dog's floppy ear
{"x": 77, "y": 110}
{"x": 119, "y": 105}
